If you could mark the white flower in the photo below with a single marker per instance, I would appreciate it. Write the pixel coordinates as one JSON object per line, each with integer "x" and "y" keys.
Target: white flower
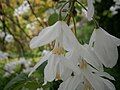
{"x": 90, "y": 76}
{"x": 114, "y": 9}
{"x": 22, "y": 9}
{"x": 60, "y": 32}
{"x": 9, "y": 38}
{"x": 2, "y": 34}
{"x": 23, "y": 61}
{"x": 88, "y": 79}
{"x": 105, "y": 46}
{"x": 3, "y": 55}
{"x": 90, "y": 11}
{"x": 117, "y": 2}
{"x": 64, "y": 38}
{"x": 10, "y": 67}
{"x": 31, "y": 26}
{"x": 87, "y": 53}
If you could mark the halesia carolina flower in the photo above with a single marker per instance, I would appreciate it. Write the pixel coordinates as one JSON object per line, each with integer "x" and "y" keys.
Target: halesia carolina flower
{"x": 64, "y": 39}
{"x": 60, "y": 32}
{"x": 105, "y": 46}
{"x": 54, "y": 67}
{"x": 88, "y": 79}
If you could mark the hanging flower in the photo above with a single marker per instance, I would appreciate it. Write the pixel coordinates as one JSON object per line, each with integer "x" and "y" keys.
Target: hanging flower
{"x": 105, "y": 46}
{"x": 91, "y": 71}
{"x": 88, "y": 79}
{"x": 22, "y": 9}
{"x": 60, "y": 32}
{"x": 64, "y": 40}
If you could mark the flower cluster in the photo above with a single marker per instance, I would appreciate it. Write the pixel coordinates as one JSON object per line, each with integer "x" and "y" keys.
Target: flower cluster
{"x": 8, "y": 37}
{"x": 80, "y": 67}
{"x": 114, "y": 9}
{"x": 10, "y": 67}
{"x": 3, "y": 55}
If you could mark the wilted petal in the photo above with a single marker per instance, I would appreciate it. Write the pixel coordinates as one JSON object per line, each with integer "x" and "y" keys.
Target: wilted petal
{"x": 46, "y": 36}
{"x": 40, "y": 62}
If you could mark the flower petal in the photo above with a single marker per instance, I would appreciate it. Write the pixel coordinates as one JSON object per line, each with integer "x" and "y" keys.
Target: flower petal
{"x": 105, "y": 47}
{"x": 94, "y": 80}
{"x": 110, "y": 86}
{"x": 91, "y": 58}
{"x": 71, "y": 83}
{"x": 46, "y": 36}
{"x": 40, "y": 62}
{"x": 104, "y": 74}
{"x": 50, "y": 70}
{"x": 69, "y": 39}
{"x": 113, "y": 38}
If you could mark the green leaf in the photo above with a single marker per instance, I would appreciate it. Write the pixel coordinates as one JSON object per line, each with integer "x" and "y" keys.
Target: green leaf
{"x": 32, "y": 85}
{"x": 53, "y": 19}
{"x": 18, "y": 81}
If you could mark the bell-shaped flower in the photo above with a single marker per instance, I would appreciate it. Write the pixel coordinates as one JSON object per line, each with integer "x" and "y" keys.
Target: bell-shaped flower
{"x": 60, "y": 31}
{"x": 105, "y": 46}
{"x": 52, "y": 68}
{"x": 64, "y": 38}
{"x": 56, "y": 62}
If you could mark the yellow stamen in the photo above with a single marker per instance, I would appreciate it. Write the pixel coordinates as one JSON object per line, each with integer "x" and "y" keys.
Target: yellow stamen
{"x": 83, "y": 64}
{"x": 58, "y": 76}
{"x": 58, "y": 51}
{"x": 87, "y": 85}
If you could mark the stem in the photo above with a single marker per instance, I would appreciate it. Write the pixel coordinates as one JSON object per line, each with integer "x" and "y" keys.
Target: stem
{"x": 60, "y": 12}
{"x": 74, "y": 22}
{"x": 34, "y": 13}
{"x": 70, "y": 11}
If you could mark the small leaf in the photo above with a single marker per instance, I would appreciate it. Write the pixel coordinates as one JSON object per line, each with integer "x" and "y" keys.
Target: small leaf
{"x": 15, "y": 82}
{"x": 53, "y": 19}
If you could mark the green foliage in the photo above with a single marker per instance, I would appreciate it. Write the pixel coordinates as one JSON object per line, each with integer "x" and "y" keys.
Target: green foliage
{"x": 17, "y": 82}
{"x": 53, "y": 18}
